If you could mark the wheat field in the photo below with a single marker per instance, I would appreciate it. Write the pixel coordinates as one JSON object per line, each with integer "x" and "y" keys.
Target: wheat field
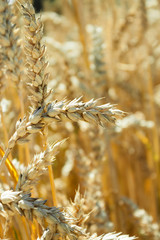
{"x": 79, "y": 119}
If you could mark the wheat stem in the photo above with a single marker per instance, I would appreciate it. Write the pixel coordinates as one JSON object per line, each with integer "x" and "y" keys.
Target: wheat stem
{"x": 51, "y": 178}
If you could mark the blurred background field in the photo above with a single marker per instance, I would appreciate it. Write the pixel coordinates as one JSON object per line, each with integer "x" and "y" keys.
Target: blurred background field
{"x": 106, "y": 49}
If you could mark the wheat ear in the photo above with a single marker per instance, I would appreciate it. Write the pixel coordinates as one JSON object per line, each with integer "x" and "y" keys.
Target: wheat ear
{"x": 10, "y": 46}
{"x": 74, "y": 111}
{"x": 35, "y": 56}
{"x": 36, "y": 168}
{"x": 58, "y": 224}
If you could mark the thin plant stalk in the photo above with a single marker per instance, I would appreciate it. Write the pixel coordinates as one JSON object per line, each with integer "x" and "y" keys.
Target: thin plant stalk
{"x": 78, "y": 16}
{"x": 24, "y": 227}
{"x": 35, "y": 230}
{"x": 150, "y": 184}
{"x": 50, "y": 171}
{"x": 114, "y": 186}
{"x": 14, "y": 174}
{"x": 26, "y": 147}
{"x": 4, "y": 127}
{"x": 51, "y": 178}
{"x": 156, "y": 150}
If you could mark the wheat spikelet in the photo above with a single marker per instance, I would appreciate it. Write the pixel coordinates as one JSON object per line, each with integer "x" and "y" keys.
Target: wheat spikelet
{"x": 74, "y": 111}
{"x": 35, "y": 56}
{"x": 16, "y": 202}
{"x": 13, "y": 203}
{"x": 77, "y": 209}
{"x": 97, "y": 53}
{"x": 36, "y": 168}
{"x": 111, "y": 236}
{"x": 9, "y": 46}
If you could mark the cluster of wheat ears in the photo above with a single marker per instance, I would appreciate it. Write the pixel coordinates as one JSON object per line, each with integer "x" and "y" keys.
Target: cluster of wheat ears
{"x": 57, "y": 71}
